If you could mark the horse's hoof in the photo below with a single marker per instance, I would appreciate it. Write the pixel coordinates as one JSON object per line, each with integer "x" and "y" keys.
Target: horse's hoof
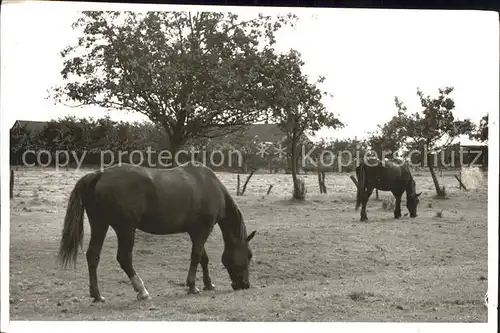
{"x": 143, "y": 297}
{"x": 193, "y": 290}
{"x": 99, "y": 299}
{"x": 211, "y": 286}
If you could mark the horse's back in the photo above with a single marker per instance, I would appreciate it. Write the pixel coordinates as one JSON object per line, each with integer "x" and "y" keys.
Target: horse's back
{"x": 192, "y": 192}
{"x": 386, "y": 175}
{"x": 122, "y": 191}
{"x": 162, "y": 200}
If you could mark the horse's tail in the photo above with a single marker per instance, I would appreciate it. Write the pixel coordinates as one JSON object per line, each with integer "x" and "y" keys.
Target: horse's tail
{"x": 361, "y": 185}
{"x": 72, "y": 233}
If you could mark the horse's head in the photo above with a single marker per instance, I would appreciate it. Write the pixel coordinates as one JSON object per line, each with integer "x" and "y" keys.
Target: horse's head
{"x": 236, "y": 258}
{"x": 412, "y": 203}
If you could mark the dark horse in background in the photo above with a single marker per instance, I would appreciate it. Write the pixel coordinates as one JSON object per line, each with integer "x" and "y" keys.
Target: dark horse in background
{"x": 186, "y": 199}
{"x": 386, "y": 176}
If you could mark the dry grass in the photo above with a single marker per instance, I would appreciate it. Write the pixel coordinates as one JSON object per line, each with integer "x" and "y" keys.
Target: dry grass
{"x": 313, "y": 260}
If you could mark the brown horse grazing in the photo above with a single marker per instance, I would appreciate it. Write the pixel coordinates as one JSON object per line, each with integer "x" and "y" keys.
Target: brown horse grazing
{"x": 186, "y": 199}
{"x": 386, "y": 176}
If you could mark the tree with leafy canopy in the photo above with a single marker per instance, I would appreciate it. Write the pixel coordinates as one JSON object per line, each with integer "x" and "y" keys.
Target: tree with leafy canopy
{"x": 22, "y": 140}
{"x": 384, "y": 142}
{"x": 346, "y": 152}
{"x": 481, "y": 134}
{"x": 433, "y": 130}
{"x": 247, "y": 146}
{"x": 238, "y": 149}
{"x": 188, "y": 72}
{"x": 296, "y": 106}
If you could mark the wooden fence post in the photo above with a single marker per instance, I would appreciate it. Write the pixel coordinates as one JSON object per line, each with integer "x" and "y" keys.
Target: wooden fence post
{"x": 238, "y": 185}
{"x": 321, "y": 182}
{"x": 11, "y": 183}
{"x": 246, "y": 181}
{"x": 460, "y": 183}
{"x": 269, "y": 190}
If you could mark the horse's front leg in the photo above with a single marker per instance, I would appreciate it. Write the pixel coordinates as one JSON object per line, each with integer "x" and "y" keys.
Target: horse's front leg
{"x": 197, "y": 248}
{"x": 207, "y": 281}
{"x": 126, "y": 240}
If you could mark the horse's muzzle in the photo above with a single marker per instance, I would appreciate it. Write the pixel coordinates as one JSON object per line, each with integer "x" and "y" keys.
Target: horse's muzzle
{"x": 240, "y": 286}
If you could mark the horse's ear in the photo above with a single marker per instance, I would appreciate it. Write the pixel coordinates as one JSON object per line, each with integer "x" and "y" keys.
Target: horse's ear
{"x": 249, "y": 238}
{"x": 418, "y": 194}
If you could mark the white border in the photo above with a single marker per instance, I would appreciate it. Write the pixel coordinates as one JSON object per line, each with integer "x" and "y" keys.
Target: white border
{"x": 231, "y": 327}
{"x": 493, "y": 169}
{"x": 75, "y": 326}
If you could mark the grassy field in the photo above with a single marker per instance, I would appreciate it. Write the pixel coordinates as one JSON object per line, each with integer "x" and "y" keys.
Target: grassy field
{"x": 313, "y": 261}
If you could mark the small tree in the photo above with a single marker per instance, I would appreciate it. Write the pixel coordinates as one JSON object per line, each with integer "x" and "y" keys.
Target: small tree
{"x": 297, "y": 107}
{"x": 75, "y": 134}
{"x": 482, "y": 132}
{"x": 385, "y": 142}
{"x": 347, "y": 152}
{"x": 21, "y": 140}
{"x": 434, "y": 129}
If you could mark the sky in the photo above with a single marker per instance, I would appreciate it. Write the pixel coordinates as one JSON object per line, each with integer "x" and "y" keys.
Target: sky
{"x": 367, "y": 56}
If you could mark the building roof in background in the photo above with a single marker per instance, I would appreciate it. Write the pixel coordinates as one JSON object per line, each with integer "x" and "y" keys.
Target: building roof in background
{"x": 31, "y": 125}
{"x": 266, "y": 132}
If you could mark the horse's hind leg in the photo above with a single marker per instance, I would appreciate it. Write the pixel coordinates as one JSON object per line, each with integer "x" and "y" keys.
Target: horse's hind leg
{"x": 126, "y": 239}
{"x": 397, "y": 208}
{"x": 207, "y": 281}
{"x": 364, "y": 201}
{"x": 97, "y": 234}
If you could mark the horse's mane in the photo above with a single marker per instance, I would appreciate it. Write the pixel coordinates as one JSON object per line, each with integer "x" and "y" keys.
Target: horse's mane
{"x": 233, "y": 215}
{"x": 243, "y": 229}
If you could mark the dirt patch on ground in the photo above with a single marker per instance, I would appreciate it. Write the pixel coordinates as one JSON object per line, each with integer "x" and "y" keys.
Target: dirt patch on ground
{"x": 313, "y": 261}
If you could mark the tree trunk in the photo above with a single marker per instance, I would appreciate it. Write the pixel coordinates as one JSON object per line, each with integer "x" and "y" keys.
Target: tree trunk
{"x": 439, "y": 191}
{"x": 319, "y": 183}
{"x": 175, "y": 146}
{"x": 293, "y": 168}
{"x": 175, "y": 141}
{"x": 298, "y": 167}
{"x": 174, "y": 162}
{"x": 289, "y": 160}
